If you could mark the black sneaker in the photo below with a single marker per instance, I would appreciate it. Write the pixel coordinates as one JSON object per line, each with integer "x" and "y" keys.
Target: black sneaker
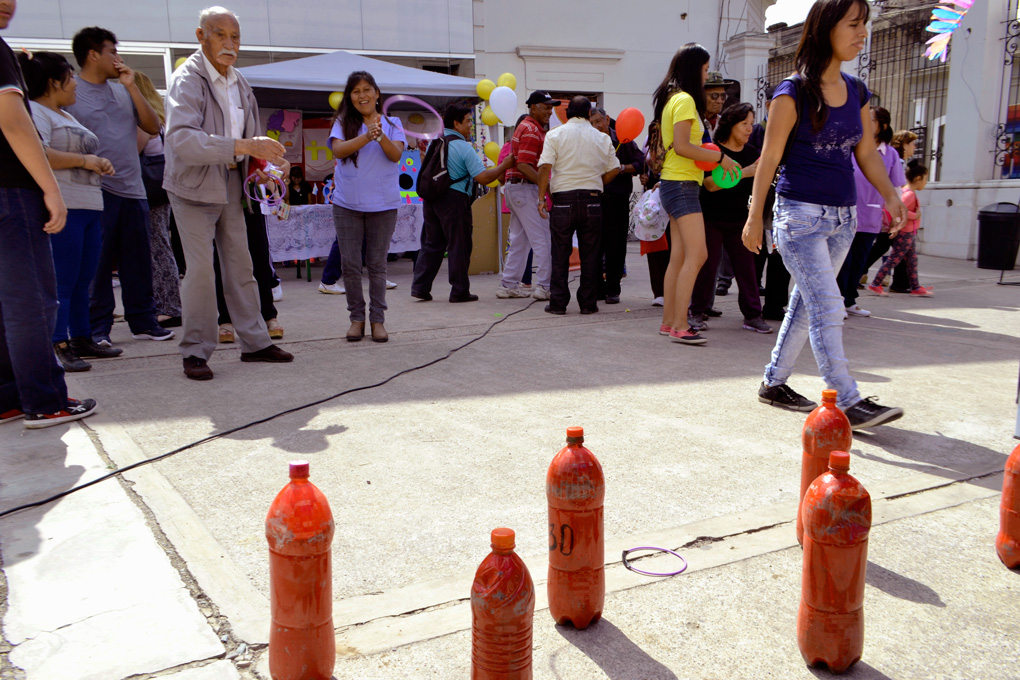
{"x": 157, "y": 333}
{"x": 86, "y": 348}
{"x": 71, "y": 362}
{"x": 784, "y": 397}
{"x": 75, "y": 410}
{"x": 869, "y": 413}
{"x": 555, "y": 310}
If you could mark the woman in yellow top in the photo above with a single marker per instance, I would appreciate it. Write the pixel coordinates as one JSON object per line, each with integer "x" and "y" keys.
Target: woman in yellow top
{"x": 679, "y": 107}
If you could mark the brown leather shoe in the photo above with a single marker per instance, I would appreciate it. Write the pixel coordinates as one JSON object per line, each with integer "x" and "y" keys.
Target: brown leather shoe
{"x": 271, "y": 354}
{"x": 356, "y": 332}
{"x": 379, "y": 333}
{"x": 197, "y": 369}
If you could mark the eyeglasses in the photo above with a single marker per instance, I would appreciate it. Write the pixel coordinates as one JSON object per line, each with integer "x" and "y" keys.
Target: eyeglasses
{"x": 716, "y": 95}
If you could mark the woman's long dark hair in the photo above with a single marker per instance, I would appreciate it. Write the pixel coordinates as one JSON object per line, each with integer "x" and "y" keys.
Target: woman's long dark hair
{"x": 350, "y": 120}
{"x": 731, "y": 115}
{"x": 684, "y": 75}
{"x": 884, "y": 121}
{"x": 40, "y": 68}
{"x": 815, "y": 51}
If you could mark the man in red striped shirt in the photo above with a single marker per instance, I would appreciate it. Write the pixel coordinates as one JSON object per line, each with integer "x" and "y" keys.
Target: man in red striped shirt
{"x": 528, "y": 229}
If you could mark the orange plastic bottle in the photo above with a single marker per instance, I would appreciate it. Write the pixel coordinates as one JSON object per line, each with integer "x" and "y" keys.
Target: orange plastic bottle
{"x": 1007, "y": 543}
{"x": 837, "y": 519}
{"x": 502, "y": 613}
{"x": 826, "y": 429}
{"x": 576, "y": 489}
{"x": 299, "y": 528}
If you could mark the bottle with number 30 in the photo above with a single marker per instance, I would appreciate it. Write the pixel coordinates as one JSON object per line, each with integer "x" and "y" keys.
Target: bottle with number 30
{"x": 576, "y": 490}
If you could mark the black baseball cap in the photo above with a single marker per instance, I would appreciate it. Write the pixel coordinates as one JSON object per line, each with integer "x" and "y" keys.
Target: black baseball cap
{"x": 542, "y": 97}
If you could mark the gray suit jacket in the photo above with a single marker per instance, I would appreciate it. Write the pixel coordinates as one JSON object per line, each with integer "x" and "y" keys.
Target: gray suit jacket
{"x": 197, "y": 148}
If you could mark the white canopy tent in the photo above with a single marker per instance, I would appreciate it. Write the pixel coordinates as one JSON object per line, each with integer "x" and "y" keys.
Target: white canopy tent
{"x": 328, "y": 73}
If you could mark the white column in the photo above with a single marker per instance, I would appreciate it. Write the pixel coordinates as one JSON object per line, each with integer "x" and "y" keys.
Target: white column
{"x": 975, "y": 93}
{"x": 746, "y": 55}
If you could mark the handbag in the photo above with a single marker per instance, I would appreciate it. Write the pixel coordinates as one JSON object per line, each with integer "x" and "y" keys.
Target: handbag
{"x": 152, "y": 178}
{"x": 650, "y": 218}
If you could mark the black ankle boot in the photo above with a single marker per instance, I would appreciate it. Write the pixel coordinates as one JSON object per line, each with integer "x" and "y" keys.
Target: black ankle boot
{"x": 71, "y": 362}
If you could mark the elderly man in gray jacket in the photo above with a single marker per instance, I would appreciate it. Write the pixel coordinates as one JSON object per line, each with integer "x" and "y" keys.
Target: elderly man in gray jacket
{"x": 212, "y": 128}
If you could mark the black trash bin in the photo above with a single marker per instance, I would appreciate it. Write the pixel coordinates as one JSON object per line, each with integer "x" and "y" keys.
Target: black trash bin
{"x": 998, "y": 236}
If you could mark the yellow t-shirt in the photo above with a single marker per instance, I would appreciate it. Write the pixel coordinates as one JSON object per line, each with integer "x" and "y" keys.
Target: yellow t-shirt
{"x": 681, "y": 107}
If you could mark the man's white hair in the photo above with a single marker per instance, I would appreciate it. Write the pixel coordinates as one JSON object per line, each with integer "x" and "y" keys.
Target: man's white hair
{"x": 215, "y": 11}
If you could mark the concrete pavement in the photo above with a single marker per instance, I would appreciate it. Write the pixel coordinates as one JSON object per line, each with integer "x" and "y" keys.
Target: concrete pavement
{"x": 419, "y": 470}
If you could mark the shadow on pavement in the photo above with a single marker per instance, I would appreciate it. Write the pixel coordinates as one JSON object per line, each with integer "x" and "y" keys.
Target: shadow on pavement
{"x": 615, "y": 653}
{"x": 30, "y": 472}
{"x": 897, "y": 585}
{"x": 859, "y": 671}
{"x": 933, "y": 454}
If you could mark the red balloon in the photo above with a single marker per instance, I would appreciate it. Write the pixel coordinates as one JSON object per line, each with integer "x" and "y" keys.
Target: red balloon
{"x": 629, "y": 124}
{"x": 708, "y": 166}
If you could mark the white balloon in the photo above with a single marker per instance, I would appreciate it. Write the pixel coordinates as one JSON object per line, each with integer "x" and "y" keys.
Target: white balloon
{"x": 503, "y": 101}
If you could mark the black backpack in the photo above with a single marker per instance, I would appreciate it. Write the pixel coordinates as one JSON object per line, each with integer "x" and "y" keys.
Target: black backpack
{"x": 434, "y": 179}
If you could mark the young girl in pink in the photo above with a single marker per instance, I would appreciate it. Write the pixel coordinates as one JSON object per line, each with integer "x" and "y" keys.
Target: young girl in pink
{"x": 903, "y": 244}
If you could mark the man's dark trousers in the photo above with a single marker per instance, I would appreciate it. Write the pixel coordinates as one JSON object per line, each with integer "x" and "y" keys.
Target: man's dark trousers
{"x": 615, "y": 225}
{"x": 447, "y": 229}
{"x": 31, "y": 380}
{"x": 581, "y": 212}
{"x": 126, "y": 247}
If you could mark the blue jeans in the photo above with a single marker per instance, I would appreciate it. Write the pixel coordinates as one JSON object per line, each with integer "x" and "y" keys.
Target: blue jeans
{"x": 814, "y": 240}
{"x": 126, "y": 246}
{"x": 31, "y": 380}
{"x": 75, "y": 257}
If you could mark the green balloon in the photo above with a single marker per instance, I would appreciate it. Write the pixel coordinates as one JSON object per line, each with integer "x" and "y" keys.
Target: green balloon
{"x": 726, "y": 180}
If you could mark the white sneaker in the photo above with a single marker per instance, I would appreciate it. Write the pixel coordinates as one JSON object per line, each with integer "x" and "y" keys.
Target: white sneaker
{"x": 540, "y": 293}
{"x": 502, "y": 292}
{"x": 846, "y": 315}
{"x": 332, "y": 288}
{"x": 857, "y": 310}
{"x": 658, "y": 302}
{"x": 278, "y": 292}
{"x": 390, "y": 285}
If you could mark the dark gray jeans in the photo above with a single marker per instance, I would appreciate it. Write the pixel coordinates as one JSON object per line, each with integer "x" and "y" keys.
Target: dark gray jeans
{"x": 376, "y": 230}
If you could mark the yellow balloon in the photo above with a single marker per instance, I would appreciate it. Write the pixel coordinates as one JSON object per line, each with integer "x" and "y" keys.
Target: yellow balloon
{"x": 180, "y": 60}
{"x": 507, "y": 80}
{"x": 488, "y": 117}
{"x": 492, "y": 151}
{"x": 334, "y": 100}
{"x": 484, "y": 88}
{"x": 494, "y": 183}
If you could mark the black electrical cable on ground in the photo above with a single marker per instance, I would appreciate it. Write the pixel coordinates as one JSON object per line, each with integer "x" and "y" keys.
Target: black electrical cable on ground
{"x": 253, "y": 423}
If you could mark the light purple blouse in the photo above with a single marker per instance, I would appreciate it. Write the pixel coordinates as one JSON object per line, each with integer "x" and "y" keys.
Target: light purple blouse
{"x": 869, "y": 201}
{"x": 374, "y": 185}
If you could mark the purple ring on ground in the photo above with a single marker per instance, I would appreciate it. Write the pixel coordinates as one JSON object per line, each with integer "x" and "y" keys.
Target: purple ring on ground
{"x": 653, "y": 573}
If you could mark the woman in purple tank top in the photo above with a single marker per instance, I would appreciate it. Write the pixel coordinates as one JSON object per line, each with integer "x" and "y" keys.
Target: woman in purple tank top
{"x": 825, "y": 112}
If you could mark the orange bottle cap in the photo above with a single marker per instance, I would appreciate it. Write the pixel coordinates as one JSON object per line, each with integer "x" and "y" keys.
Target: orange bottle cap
{"x": 299, "y": 469}
{"x": 575, "y": 435}
{"x": 839, "y": 460}
{"x": 503, "y": 539}
{"x": 829, "y": 396}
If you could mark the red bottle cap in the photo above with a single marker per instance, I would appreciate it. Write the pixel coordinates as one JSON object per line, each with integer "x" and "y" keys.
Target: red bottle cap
{"x": 503, "y": 539}
{"x": 299, "y": 469}
{"x": 829, "y": 396}
{"x": 575, "y": 435}
{"x": 839, "y": 461}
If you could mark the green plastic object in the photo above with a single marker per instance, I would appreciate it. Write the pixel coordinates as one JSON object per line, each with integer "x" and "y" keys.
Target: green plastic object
{"x": 726, "y": 180}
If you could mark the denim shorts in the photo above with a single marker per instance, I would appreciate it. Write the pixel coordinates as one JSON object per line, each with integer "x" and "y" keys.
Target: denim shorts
{"x": 680, "y": 198}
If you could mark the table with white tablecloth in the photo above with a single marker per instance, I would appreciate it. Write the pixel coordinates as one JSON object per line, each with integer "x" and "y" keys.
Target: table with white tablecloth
{"x": 309, "y": 232}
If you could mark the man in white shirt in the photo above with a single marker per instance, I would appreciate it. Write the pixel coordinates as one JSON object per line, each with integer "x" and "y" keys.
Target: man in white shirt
{"x": 581, "y": 161}
{"x": 208, "y": 146}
